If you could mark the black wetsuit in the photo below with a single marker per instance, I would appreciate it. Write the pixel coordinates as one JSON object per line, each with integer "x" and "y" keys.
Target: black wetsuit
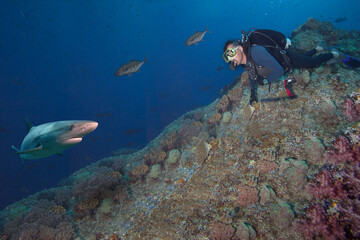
{"x": 267, "y": 67}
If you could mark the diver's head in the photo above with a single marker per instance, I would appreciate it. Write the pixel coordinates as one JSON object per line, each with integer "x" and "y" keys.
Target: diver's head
{"x": 233, "y": 54}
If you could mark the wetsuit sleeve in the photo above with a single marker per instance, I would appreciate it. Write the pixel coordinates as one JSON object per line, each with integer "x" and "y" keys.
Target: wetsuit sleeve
{"x": 263, "y": 58}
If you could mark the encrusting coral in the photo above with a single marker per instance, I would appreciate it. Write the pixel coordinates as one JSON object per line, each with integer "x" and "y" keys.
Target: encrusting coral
{"x": 280, "y": 169}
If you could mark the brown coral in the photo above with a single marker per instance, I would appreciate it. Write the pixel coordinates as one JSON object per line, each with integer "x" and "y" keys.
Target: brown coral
{"x": 89, "y": 204}
{"x": 139, "y": 170}
{"x": 157, "y": 156}
{"x": 235, "y": 95}
{"x": 215, "y": 118}
{"x": 57, "y": 209}
{"x": 170, "y": 141}
{"x": 223, "y": 104}
{"x": 114, "y": 175}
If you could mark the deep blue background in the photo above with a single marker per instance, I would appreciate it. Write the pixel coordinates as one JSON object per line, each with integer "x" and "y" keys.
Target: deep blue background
{"x": 57, "y": 60}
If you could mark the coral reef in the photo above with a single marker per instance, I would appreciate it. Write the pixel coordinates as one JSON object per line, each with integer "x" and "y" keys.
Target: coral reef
{"x": 280, "y": 169}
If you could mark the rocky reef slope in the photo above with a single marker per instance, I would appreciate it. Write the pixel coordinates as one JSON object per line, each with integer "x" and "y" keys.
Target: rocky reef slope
{"x": 281, "y": 169}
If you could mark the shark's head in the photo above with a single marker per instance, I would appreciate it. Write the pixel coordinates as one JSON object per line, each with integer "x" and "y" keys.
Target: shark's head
{"x": 72, "y": 132}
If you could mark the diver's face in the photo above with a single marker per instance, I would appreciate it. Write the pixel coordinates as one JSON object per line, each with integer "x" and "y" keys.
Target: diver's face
{"x": 239, "y": 58}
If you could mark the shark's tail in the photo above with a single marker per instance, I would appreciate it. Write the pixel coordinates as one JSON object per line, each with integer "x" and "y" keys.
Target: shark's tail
{"x": 17, "y": 150}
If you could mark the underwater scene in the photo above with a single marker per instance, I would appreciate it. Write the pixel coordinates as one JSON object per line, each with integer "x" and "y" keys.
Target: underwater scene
{"x": 201, "y": 119}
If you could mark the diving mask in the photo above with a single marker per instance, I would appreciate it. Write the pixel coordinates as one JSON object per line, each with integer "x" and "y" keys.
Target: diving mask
{"x": 230, "y": 54}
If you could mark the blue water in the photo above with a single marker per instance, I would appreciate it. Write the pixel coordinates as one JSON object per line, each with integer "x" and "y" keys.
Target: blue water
{"x": 57, "y": 60}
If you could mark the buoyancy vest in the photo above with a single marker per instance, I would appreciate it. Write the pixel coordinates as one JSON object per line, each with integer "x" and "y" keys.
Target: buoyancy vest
{"x": 274, "y": 42}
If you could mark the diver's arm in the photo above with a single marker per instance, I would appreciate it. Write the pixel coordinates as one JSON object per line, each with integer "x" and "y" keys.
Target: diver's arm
{"x": 253, "y": 94}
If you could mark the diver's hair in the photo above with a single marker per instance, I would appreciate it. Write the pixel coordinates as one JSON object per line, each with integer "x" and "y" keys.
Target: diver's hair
{"x": 233, "y": 42}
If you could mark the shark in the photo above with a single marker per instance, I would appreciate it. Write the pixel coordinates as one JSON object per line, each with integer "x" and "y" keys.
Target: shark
{"x": 53, "y": 138}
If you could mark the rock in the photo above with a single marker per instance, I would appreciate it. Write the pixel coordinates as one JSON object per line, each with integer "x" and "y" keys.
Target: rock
{"x": 226, "y": 117}
{"x": 245, "y": 231}
{"x": 201, "y": 152}
{"x": 155, "y": 171}
{"x": 106, "y": 206}
{"x": 174, "y": 156}
{"x": 267, "y": 194}
{"x": 281, "y": 215}
{"x": 247, "y": 113}
{"x": 306, "y": 77}
{"x": 296, "y": 176}
{"x": 314, "y": 149}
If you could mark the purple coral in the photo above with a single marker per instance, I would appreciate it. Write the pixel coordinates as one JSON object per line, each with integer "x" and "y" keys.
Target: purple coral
{"x": 350, "y": 110}
{"x": 343, "y": 151}
{"x": 336, "y": 212}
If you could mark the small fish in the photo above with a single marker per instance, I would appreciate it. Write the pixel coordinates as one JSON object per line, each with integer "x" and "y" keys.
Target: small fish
{"x": 51, "y": 166}
{"x": 4, "y": 130}
{"x": 165, "y": 95}
{"x": 32, "y": 166}
{"x": 18, "y": 82}
{"x": 342, "y": 19}
{"x": 195, "y": 38}
{"x": 103, "y": 114}
{"x": 205, "y": 88}
{"x": 219, "y": 68}
{"x": 130, "y": 67}
{"x": 129, "y": 144}
{"x": 132, "y": 131}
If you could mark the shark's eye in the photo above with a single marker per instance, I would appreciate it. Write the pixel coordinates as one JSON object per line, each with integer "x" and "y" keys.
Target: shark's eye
{"x": 72, "y": 127}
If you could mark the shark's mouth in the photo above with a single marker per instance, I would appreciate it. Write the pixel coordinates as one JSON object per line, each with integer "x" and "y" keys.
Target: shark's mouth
{"x": 73, "y": 140}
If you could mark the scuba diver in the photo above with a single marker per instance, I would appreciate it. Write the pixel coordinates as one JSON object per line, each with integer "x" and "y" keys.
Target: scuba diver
{"x": 266, "y": 56}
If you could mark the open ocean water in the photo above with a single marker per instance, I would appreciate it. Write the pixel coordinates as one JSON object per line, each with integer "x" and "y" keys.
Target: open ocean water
{"x": 58, "y": 58}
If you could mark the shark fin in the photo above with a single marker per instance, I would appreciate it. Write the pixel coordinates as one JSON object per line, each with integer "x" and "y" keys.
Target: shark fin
{"x": 30, "y": 151}
{"x": 17, "y": 151}
{"x": 29, "y": 125}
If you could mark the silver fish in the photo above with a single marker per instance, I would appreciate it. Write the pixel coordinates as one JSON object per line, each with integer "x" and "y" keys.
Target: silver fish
{"x": 130, "y": 67}
{"x": 195, "y": 38}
